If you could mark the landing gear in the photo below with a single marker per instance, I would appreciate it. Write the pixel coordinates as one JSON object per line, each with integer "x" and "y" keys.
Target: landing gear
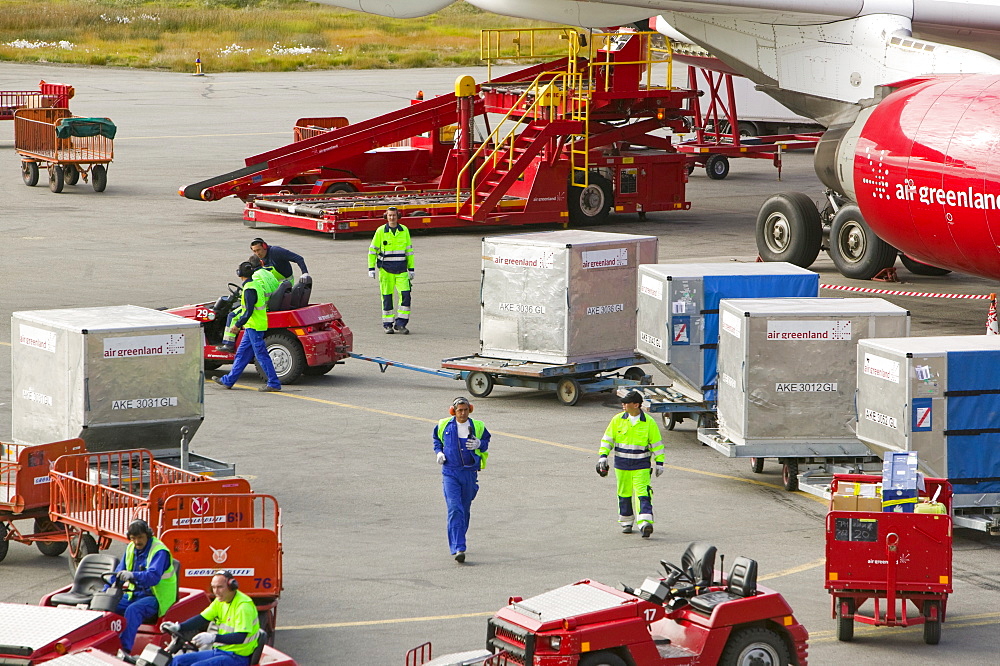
{"x": 789, "y": 229}
{"x": 855, "y": 249}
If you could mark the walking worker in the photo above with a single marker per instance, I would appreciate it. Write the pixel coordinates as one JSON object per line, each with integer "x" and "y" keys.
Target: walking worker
{"x": 391, "y": 254}
{"x": 461, "y": 444}
{"x": 635, "y": 438}
{"x": 232, "y": 639}
{"x": 268, "y": 285}
{"x": 276, "y": 259}
{"x": 148, "y": 568}
{"x": 253, "y": 321}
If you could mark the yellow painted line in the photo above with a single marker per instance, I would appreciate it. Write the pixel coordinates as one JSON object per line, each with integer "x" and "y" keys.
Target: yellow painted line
{"x": 369, "y": 623}
{"x": 6, "y": 344}
{"x": 794, "y": 570}
{"x": 978, "y": 620}
{"x": 196, "y": 136}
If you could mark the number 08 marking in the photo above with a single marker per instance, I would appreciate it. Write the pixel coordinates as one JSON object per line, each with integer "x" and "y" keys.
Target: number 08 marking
{"x": 116, "y": 625}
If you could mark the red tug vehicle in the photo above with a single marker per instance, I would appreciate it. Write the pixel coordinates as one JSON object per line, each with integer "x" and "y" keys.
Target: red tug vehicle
{"x": 692, "y": 616}
{"x": 575, "y": 141}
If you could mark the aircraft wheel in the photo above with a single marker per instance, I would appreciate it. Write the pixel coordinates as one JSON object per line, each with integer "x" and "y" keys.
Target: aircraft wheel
{"x": 789, "y": 229}
{"x": 755, "y": 646}
{"x": 287, "y": 356}
{"x": 855, "y": 249}
{"x": 717, "y": 167}
{"x": 592, "y": 204}
{"x": 919, "y": 268}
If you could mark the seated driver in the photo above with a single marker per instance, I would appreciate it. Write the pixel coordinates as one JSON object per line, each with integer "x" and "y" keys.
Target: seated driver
{"x": 234, "y": 618}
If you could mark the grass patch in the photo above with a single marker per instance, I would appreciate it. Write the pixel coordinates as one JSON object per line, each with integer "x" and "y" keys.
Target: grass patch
{"x": 240, "y": 35}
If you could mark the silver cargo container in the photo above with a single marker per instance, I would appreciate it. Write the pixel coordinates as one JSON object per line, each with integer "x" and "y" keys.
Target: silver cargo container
{"x": 787, "y": 366}
{"x": 118, "y": 377}
{"x": 938, "y": 396}
{"x": 678, "y": 317}
{"x": 561, "y": 296}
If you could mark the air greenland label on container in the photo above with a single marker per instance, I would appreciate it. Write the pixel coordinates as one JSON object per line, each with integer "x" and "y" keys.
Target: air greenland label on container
{"x": 805, "y": 387}
{"x": 732, "y": 324}
{"x": 809, "y": 330}
{"x": 881, "y": 419}
{"x": 606, "y": 309}
{"x": 144, "y": 403}
{"x": 651, "y": 340}
{"x": 883, "y": 368}
{"x": 521, "y": 308}
{"x": 612, "y": 258}
{"x": 38, "y": 338}
{"x": 651, "y": 287}
{"x": 526, "y": 258}
{"x": 144, "y": 345}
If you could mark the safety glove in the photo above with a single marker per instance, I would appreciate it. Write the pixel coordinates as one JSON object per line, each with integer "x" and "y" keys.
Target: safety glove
{"x": 440, "y": 458}
{"x": 602, "y": 466}
{"x": 409, "y": 274}
{"x": 126, "y": 576}
{"x": 371, "y": 273}
{"x": 659, "y": 469}
{"x": 205, "y": 639}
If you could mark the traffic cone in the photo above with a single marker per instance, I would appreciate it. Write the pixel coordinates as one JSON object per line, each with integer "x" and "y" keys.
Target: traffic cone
{"x": 991, "y": 317}
{"x": 197, "y": 66}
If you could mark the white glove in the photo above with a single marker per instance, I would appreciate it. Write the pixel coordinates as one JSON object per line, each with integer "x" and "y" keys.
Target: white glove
{"x": 440, "y": 458}
{"x": 205, "y": 639}
{"x": 472, "y": 443}
{"x": 304, "y": 275}
{"x": 659, "y": 469}
{"x": 126, "y": 576}
{"x": 409, "y": 274}
{"x": 174, "y": 627}
{"x": 371, "y": 273}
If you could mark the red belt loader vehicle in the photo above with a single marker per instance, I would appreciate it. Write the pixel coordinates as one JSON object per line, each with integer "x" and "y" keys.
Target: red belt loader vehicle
{"x": 694, "y": 615}
{"x": 573, "y": 140}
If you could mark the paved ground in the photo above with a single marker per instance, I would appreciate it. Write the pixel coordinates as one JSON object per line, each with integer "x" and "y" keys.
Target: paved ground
{"x": 367, "y": 569}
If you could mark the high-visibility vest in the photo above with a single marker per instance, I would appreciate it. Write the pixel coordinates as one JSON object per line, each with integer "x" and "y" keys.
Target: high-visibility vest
{"x": 166, "y": 590}
{"x": 258, "y": 318}
{"x": 238, "y": 616}
{"x": 477, "y": 428}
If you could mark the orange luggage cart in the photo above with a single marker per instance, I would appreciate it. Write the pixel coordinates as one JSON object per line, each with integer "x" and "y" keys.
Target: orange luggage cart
{"x": 37, "y": 141}
{"x": 24, "y": 494}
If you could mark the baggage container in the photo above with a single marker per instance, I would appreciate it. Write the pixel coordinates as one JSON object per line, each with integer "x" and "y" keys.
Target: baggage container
{"x": 787, "y": 366}
{"x": 678, "y": 316}
{"x": 117, "y": 377}
{"x": 561, "y": 296}
{"x": 940, "y": 397}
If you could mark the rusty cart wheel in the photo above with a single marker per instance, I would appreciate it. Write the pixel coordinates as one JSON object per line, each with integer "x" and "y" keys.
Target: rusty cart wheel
{"x": 81, "y": 544}
{"x": 71, "y": 175}
{"x": 49, "y": 548}
{"x": 932, "y": 628}
{"x": 4, "y": 544}
{"x": 56, "y": 178}
{"x": 568, "y": 391}
{"x": 845, "y": 622}
{"x": 790, "y": 474}
{"x": 99, "y": 177}
{"x": 756, "y": 465}
{"x": 479, "y": 384}
{"x": 29, "y": 172}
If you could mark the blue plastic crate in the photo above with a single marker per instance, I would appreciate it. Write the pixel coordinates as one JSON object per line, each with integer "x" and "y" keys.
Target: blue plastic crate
{"x": 899, "y": 471}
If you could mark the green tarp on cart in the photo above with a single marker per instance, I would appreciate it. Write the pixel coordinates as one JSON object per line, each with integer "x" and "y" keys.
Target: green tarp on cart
{"x": 68, "y": 127}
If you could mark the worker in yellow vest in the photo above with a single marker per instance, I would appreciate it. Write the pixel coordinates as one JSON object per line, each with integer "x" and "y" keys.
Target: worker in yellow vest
{"x": 391, "y": 255}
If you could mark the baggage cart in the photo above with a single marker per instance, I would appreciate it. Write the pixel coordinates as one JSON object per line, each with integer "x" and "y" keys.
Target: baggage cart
{"x": 24, "y": 494}
{"x": 568, "y": 380}
{"x": 674, "y": 405}
{"x": 67, "y": 147}
{"x": 889, "y": 557}
{"x": 48, "y": 95}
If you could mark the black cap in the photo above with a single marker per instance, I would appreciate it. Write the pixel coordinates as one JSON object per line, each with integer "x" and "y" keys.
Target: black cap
{"x": 632, "y": 396}
{"x": 245, "y": 270}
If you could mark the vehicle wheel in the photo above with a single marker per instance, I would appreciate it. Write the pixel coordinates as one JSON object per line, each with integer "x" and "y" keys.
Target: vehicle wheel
{"x": 70, "y": 174}
{"x": 99, "y": 177}
{"x": 266, "y": 622}
{"x": 919, "y": 268}
{"x": 568, "y": 391}
{"x": 671, "y": 419}
{"x": 756, "y": 465}
{"x": 855, "y": 249}
{"x": 717, "y": 167}
{"x": 789, "y": 229}
{"x": 4, "y": 544}
{"x": 748, "y": 129}
{"x": 755, "y": 646}
{"x": 29, "y": 172}
{"x": 690, "y": 166}
{"x": 479, "y": 384}
{"x": 602, "y": 659}
{"x": 336, "y": 188}
{"x": 845, "y": 623}
{"x": 634, "y": 374}
{"x": 932, "y": 629}
{"x": 56, "y": 178}
{"x": 287, "y": 356}
{"x": 317, "y": 370}
{"x": 49, "y": 548}
{"x": 591, "y": 204}
{"x": 82, "y": 544}
{"x": 790, "y": 474}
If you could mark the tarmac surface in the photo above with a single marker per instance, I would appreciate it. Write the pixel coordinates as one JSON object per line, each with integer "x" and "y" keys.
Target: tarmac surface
{"x": 367, "y": 572}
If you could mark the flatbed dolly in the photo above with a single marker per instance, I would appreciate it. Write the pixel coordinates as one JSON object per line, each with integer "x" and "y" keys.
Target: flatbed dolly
{"x": 568, "y": 380}
{"x": 673, "y": 405}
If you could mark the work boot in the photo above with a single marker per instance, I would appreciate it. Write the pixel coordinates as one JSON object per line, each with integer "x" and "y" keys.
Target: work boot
{"x": 270, "y": 389}
{"x": 226, "y": 347}
{"x": 626, "y": 529}
{"x": 127, "y": 658}
{"x": 399, "y": 328}
{"x": 218, "y": 380}
{"x": 646, "y": 530}
{"x": 388, "y": 330}
{"x": 460, "y": 556}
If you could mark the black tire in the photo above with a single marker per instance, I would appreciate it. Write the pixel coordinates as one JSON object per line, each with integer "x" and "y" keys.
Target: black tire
{"x": 789, "y": 229}
{"x": 602, "y": 659}
{"x": 790, "y": 475}
{"x": 845, "y": 623}
{"x": 748, "y": 129}
{"x": 717, "y": 167}
{"x": 56, "y": 178}
{"x": 4, "y": 544}
{"x": 480, "y": 384}
{"x": 755, "y": 646}
{"x": 29, "y": 173}
{"x": 855, "y": 249}
{"x": 287, "y": 356}
{"x": 634, "y": 374}
{"x": 932, "y": 629}
{"x": 671, "y": 419}
{"x": 918, "y": 268}
{"x": 756, "y": 465}
{"x": 317, "y": 370}
{"x": 99, "y": 177}
{"x": 336, "y": 188}
{"x": 49, "y": 548}
{"x": 82, "y": 544}
{"x": 568, "y": 391}
{"x": 690, "y": 166}
{"x": 592, "y": 204}
{"x": 70, "y": 174}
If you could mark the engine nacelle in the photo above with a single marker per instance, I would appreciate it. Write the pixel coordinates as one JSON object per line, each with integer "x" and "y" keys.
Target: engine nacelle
{"x": 924, "y": 167}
